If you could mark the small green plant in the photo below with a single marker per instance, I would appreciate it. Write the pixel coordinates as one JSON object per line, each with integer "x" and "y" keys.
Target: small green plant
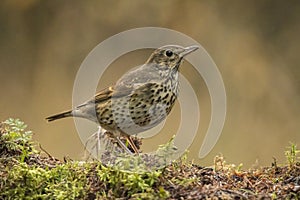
{"x": 142, "y": 163}
{"x": 292, "y": 154}
{"x": 15, "y": 138}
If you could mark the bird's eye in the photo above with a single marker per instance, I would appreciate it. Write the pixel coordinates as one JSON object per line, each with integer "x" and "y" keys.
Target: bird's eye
{"x": 169, "y": 53}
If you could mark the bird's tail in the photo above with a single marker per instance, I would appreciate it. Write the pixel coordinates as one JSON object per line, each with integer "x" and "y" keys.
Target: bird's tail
{"x": 59, "y": 116}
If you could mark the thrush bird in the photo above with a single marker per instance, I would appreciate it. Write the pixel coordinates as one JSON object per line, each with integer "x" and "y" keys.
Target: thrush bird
{"x": 139, "y": 100}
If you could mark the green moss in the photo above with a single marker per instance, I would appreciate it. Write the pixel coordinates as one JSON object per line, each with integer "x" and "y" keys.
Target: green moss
{"x": 77, "y": 180}
{"x": 66, "y": 181}
{"x": 129, "y": 184}
{"x": 26, "y": 174}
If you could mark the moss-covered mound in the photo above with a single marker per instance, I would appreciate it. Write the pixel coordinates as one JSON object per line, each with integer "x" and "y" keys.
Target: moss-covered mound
{"x": 26, "y": 173}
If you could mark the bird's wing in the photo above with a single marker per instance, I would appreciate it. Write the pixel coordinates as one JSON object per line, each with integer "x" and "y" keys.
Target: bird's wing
{"x": 118, "y": 92}
{"x": 111, "y": 92}
{"x": 135, "y": 78}
{"x": 140, "y": 79}
{"x": 106, "y": 94}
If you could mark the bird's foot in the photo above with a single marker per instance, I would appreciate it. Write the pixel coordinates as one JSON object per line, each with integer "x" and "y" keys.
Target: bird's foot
{"x": 122, "y": 145}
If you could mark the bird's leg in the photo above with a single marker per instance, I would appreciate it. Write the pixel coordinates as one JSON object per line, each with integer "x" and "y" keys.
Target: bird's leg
{"x": 123, "y": 145}
{"x": 98, "y": 135}
{"x": 87, "y": 153}
{"x": 131, "y": 142}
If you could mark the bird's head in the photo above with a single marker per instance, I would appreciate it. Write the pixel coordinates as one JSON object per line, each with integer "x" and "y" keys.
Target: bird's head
{"x": 170, "y": 56}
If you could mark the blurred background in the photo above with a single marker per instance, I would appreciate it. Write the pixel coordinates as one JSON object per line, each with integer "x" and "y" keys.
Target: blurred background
{"x": 255, "y": 45}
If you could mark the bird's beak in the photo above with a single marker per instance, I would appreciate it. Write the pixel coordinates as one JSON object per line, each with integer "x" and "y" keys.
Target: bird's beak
{"x": 189, "y": 50}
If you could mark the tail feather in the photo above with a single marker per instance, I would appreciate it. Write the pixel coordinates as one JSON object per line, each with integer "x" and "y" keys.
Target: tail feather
{"x": 59, "y": 116}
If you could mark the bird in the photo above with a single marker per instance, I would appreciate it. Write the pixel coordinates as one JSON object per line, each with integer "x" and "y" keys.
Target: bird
{"x": 139, "y": 100}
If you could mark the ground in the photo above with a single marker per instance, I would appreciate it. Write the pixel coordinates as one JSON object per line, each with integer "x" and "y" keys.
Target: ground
{"x": 27, "y": 173}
